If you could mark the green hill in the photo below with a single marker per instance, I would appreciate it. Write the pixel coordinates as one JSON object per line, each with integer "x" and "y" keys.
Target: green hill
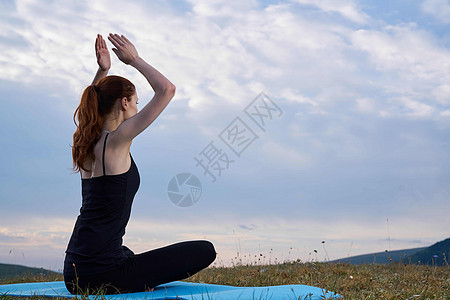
{"x": 380, "y": 257}
{"x": 437, "y": 254}
{"x": 10, "y": 271}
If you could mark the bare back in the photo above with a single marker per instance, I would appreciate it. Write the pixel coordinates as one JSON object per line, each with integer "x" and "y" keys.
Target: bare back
{"x": 117, "y": 160}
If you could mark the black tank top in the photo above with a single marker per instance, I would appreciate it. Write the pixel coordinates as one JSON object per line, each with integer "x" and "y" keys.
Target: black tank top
{"x": 96, "y": 242}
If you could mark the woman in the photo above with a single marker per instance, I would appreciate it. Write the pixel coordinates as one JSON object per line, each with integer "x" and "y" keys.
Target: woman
{"x": 108, "y": 121}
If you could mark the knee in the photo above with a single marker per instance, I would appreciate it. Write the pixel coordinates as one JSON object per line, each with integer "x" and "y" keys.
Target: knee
{"x": 70, "y": 286}
{"x": 210, "y": 251}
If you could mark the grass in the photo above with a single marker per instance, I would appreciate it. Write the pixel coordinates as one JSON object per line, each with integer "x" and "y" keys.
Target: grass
{"x": 370, "y": 281}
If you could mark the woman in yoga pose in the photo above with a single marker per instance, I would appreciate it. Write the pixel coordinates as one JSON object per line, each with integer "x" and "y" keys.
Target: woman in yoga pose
{"x": 108, "y": 121}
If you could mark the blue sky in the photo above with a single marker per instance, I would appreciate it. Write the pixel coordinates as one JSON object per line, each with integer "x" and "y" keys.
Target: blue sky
{"x": 359, "y": 157}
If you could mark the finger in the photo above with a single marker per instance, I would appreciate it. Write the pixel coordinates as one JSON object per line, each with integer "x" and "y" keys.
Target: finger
{"x": 104, "y": 44}
{"x": 115, "y": 51}
{"x": 120, "y": 40}
{"x": 100, "y": 41}
{"x": 112, "y": 39}
{"x": 126, "y": 40}
{"x": 117, "y": 39}
{"x": 96, "y": 44}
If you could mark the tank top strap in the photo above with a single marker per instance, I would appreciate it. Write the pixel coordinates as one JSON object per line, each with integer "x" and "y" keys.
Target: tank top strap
{"x": 103, "y": 156}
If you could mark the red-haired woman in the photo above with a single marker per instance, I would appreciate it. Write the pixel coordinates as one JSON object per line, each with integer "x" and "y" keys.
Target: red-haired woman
{"x": 108, "y": 121}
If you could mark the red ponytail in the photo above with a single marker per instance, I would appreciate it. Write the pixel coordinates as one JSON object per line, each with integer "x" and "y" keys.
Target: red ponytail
{"x": 96, "y": 103}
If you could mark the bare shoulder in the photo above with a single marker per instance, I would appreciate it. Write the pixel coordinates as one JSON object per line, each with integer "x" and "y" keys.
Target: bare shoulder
{"x": 117, "y": 154}
{"x": 116, "y": 144}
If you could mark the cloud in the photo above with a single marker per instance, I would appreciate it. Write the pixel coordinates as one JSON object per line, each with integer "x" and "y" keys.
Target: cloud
{"x": 281, "y": 238}
{"x": 416, "y": 108}
{"x": 445, "y": 113}
{"x": 7, "y": 238}
{"x": 347, "y": 8}
{"x": 416, "y": 66}
{"x": 442, "y": 94}
{"x": 217, "y": 64}
{"x": 365, "y": 105}
{"x": 247, "y": 227}
{"x": 440, "y": 9}
{"x": 284, "y": 154}
{"x": 402, "y": 48}
{"x": 221, "y": 8}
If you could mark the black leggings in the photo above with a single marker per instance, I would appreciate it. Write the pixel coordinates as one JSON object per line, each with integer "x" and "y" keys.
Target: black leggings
{"x": 147, "y": 270}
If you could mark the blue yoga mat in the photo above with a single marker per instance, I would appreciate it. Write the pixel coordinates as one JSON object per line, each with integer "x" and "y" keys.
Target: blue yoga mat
{"x": 180, "y": 290}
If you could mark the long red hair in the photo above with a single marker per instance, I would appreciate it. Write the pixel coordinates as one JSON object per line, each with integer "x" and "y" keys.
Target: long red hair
{"x": 96, "y": 103}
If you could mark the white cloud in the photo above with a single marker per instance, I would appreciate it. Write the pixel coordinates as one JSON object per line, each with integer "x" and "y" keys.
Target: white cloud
{"x": 440, "y": 9}
{"x": 217, "y": 64}
{"x": 415, "y": 108}
{"x": 290, "y": 95}
{"x": 413, "y": 67}
{"x": 347, "y": 8}
{"x": 442, "y": 93}
{"x": 445, "y": 113}
{"x": 405, "y": 49}
{"x": 365, "y": 105}
{"x": 221, "y": 8}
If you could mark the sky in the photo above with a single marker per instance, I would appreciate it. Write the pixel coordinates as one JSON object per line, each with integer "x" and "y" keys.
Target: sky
{"x": 311, "y": 130}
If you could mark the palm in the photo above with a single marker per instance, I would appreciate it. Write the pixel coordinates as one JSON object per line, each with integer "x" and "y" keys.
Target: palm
{"x": 103, "y": 59}
{"x": 102, "y": 53}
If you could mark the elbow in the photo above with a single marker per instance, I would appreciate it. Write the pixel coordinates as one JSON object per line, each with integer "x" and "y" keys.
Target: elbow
{"x": 170, "y": 90}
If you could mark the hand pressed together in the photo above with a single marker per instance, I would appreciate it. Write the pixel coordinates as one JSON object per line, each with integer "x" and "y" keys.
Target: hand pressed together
{"x": 124, "y": 50}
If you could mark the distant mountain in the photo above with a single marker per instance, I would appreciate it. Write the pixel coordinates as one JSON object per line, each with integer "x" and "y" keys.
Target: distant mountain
{"x": 437, "y": 254}
{"x": 380, "y": 257}
{"x": 8, "y": 271}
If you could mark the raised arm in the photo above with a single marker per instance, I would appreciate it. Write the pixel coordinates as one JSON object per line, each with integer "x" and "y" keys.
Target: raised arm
{"x": 163, "y": 88}
{"x": 103, "y": 59}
